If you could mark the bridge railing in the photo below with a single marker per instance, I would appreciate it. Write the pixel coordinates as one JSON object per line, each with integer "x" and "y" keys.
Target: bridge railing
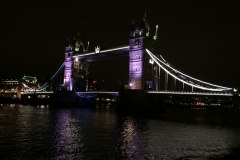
{"x": 192, "y": 93}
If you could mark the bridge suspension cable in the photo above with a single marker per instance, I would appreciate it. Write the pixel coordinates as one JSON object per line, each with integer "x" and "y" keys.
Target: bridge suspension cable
{"x": 44, "y": 86}
{"x": 185, "y": 78}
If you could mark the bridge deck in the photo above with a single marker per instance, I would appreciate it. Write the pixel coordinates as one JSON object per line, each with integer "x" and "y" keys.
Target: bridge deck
{"x": 150, "y": 92}
{"x": 192, "y": 93}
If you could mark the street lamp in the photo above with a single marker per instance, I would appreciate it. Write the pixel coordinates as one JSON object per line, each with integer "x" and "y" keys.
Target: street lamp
{"x": 151, "y": 61}
{"x": 130, "y": 84}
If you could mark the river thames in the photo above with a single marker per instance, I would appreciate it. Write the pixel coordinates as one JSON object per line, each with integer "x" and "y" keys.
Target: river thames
{"x": 42, "y": 132}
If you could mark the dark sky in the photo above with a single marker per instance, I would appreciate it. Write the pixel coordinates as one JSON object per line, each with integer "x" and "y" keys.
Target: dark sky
{"x": 201, "y": 38}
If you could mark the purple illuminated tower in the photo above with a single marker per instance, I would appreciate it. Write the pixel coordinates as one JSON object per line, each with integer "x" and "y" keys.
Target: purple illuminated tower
{"x": 142, "y": 74}
{"x": 76, "y": 70}
{"x": 68, "y": 81}
{"x": 137, "y": 55}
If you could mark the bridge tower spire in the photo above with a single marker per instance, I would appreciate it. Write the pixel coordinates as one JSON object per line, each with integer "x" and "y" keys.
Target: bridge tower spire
{"x": 145, "y": 25}
{"x": 155, "y": 37}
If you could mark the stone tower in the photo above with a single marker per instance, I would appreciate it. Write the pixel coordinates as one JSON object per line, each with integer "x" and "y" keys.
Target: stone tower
{"x": 137, "y": 55}
{"x": 68, "y": 81}
{"x": 141, "y": 70}
{"x": 76, "y": 70}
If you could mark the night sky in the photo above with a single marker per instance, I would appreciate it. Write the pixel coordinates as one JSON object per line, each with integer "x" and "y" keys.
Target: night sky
{"x": 201, "y": 38}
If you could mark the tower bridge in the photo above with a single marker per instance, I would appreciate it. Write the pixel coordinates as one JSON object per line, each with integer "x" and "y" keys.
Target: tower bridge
{"x": 151, "y": 79}
{"x": 148, "y": 70}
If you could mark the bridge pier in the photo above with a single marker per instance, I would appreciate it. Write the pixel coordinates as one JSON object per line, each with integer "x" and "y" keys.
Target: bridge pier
{"x": 140, "y": 101}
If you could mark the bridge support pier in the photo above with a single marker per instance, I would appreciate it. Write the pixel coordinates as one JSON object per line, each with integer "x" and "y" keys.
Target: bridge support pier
{"x": 140, "y": 101}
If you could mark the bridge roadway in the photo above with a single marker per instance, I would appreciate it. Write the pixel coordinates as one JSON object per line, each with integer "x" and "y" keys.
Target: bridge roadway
{"x": 168, "y": 93}
{"x": 165, "y": 93}
{"x": 126, "y": 99}
{"x": 193, "y": 93}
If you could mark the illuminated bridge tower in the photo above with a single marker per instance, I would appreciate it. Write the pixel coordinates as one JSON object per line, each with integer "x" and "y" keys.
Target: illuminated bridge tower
{"x": 68, "y": 80}
{"x": 139, "y": 73}
{"x": 76, "y": 70}
{"x": 142, "y": 70}
{"x": 136, "y": 58}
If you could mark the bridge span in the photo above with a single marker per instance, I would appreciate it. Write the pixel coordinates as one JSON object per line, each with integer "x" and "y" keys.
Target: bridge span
{"x": 149, "y": 72}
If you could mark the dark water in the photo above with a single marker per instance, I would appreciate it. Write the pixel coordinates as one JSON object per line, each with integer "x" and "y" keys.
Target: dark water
{"x": 42, "y": 132}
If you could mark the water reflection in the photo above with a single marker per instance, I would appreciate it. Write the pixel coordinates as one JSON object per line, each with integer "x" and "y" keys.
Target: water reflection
{"x": 182, "y": 135}
{"x": 78, "y": 133}
{"x": 131, "y": 143}
{"x": 180, "y": 141}
{"x": 42, "y": 132}
{"x": 23, "y": 130}
{"x": 67, "y": 139}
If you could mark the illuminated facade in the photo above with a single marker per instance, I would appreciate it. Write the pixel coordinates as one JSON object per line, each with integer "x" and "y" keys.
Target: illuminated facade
{"x": 29, "y": 79}
{"x": 76, "y": 70}
{"x": 136, "y": 57}
{"x": 141, "y": 71}
{"x": 29, "y": 82}
{"x": 16, "y": 85}
{"x": 9, "y": 85}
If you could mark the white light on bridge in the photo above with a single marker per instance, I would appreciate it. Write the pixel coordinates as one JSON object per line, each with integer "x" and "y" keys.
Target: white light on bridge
{"x": 108, "y": 50}
{"x": 97, "y": 49}
{"x": 151, "y": 61}
{"x": 158, "y": 61}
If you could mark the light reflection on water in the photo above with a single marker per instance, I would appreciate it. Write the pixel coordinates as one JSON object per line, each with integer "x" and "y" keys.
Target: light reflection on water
{"x": 42, "y": 132}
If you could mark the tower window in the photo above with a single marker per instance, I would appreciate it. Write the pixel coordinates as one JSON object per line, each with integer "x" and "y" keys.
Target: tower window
{"x": 136, "y": 41}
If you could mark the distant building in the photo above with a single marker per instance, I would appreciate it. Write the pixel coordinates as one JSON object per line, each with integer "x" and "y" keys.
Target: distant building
{"x": 14, "y": 85}
{"x": 9, "y": 85}
{"x": 29, "y": 83}
{"x": 29, "y": 79}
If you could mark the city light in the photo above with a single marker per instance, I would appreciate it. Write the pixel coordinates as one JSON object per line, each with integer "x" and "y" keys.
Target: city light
{"x": 151, "y": 61}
